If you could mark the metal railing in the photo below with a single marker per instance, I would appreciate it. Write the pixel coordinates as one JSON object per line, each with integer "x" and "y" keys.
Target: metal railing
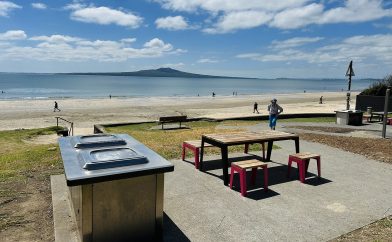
{"x": 71, "y": 130}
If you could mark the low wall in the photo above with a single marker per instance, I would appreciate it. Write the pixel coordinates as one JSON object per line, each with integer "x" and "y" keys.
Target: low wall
{"x": 376, "y": 102}
{"x": 100, "y": 128}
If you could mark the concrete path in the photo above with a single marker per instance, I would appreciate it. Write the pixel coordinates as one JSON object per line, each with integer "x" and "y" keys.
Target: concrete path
{"x": 354, "y": 192}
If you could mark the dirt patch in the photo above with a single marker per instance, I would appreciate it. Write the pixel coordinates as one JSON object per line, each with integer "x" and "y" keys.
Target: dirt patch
{"x": 380, "y": 230}
{"x": 26, "y": 208}
{"x": 43, "y": 139}
{"x": 327, "y": 129}
{"x": 377, "y": 149}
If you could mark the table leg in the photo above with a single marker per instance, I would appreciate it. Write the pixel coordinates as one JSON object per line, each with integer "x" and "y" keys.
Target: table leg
{"x": 296, "y": 145}
{"x": 269, "y": 150}
{"x": 225, "y": 165}
{"x": 201, "y": 155}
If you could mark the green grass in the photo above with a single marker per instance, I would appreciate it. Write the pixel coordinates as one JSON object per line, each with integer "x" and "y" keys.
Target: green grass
{"x": 18, "y": 158}
{"x": 168, "y": 143}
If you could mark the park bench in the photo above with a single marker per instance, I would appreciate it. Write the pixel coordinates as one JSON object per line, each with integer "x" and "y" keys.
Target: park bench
{"x": 172, "y": 119}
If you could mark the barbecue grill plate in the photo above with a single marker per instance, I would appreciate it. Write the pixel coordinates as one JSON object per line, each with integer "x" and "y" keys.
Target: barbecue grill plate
{"x": 110, "y": 158}
{"x": 100, "y": 140}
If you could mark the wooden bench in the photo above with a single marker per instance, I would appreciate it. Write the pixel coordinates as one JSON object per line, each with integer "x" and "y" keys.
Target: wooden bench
{"x": 371, "y": 117}
{"x": 172, "y": 119}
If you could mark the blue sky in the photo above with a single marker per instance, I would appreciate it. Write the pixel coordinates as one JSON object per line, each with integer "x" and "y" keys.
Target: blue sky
{"x": 252, "y": 38}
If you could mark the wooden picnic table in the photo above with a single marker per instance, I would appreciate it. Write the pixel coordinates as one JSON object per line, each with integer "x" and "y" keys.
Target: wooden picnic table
{"x": 380, "y": 115}
{"x": 223, "y": 141}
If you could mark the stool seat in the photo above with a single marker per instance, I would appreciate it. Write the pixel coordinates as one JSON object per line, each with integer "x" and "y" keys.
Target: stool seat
{"x": 247, "y": 164}
{"x": 302, "y": 160}
{"x": 241, "y": 166}
{"x": 197, "y": 143}
{"x": 305, "y": 155}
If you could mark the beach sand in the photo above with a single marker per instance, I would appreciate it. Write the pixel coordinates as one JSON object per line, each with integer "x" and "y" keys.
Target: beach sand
{"x": 17, "y": 114}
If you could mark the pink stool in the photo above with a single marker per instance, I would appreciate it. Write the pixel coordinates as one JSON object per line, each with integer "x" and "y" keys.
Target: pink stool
{"x": 302, "y": 160}
{"x": 241, "y": 166}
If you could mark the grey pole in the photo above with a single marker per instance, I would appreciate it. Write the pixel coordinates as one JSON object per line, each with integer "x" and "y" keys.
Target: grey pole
{"x": 384, "y": 123}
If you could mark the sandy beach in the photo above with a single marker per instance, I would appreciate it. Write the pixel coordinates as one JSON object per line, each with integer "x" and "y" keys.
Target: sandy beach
{"x": 16, "y": 114}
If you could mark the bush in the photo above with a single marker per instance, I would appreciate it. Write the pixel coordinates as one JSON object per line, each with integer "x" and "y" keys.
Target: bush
{"x": 378, "y": 88}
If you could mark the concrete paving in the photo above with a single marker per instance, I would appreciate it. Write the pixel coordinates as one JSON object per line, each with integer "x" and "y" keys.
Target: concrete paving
{"x": 353, "y": 192}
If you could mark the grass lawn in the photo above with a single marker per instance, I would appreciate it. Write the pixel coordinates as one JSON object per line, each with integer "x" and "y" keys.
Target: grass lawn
{"x": 168, "y": 143}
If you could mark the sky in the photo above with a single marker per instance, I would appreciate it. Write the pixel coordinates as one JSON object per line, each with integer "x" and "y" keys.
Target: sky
{"x": 249, "y": 38}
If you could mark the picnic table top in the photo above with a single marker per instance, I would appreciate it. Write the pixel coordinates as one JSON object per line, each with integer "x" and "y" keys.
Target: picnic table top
{"x": 380, "y": 113}
{"x": 247, "y": 136}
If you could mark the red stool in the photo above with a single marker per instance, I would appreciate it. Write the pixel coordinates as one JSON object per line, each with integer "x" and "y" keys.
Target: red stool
{"x": 302, "y": 160}
{"x": 195, "y": 145}
{"x": 241, "y": 166}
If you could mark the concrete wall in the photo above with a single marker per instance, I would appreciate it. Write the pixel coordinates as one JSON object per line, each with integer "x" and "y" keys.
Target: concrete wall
{"x": 376, "y": 102}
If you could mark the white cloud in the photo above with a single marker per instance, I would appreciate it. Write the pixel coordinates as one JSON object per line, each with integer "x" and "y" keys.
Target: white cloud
{"x": 361, "y": 48}
{"x": 128, "y": 40}
{"x": 13, "y": 35}
{"x": 6, "y": 7}
{"x": 207, "y": 60}
{"x": 71, "y": 49}
{"x": 104, "y": 16}
{"x": 229, "y": 5}
{"x": 239, "y": 20}
{"x": 171, "y": 23}
{"x": 55, "y": 38}
{"x": 294, "y": 42}
{"x": 39, "y": 5}
{"x": 297, "y": 17}
{"x": 173, "y": 65}
{"x": 356, "y": 11}
{"x": 229, "y": 16}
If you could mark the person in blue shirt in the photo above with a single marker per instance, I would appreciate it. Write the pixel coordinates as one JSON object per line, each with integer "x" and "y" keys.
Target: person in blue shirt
{"x": 274, "y": 110}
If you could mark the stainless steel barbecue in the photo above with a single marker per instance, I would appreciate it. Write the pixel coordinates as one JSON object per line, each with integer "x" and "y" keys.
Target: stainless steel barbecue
{"x": 116, "y": 187}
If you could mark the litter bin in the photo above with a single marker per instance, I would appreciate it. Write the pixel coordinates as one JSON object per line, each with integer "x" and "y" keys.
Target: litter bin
{"x": 116, "y": 187}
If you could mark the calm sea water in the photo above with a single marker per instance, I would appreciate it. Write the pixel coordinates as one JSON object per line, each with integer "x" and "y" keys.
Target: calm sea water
{"x": 41, "y": 86}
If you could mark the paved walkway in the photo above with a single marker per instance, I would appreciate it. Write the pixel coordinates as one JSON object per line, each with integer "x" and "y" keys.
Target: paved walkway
{"x": 354, "y": 192}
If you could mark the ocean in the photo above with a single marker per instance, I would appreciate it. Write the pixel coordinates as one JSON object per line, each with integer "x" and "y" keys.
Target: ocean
{"x": 45, "y": 86}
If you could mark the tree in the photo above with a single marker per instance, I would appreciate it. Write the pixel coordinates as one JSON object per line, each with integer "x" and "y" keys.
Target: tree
{"x": 378, "y": 88}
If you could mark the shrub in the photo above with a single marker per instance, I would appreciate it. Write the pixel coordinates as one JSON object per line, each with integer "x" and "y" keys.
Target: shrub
{"x": 378, "y": 88}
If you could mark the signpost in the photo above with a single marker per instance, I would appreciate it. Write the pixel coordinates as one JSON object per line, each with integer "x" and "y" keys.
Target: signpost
{"x": 349, "y": 73}
{"x": 384, "y": 122}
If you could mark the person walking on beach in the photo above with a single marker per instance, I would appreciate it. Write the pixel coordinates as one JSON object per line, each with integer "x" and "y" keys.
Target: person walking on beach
{"x": 321, "y": 100}
{"x": 274, "y": 110}
{"x": 213, "y": 94}
{"x": 56, "y": 107}
{"x": 255, "y": 108}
